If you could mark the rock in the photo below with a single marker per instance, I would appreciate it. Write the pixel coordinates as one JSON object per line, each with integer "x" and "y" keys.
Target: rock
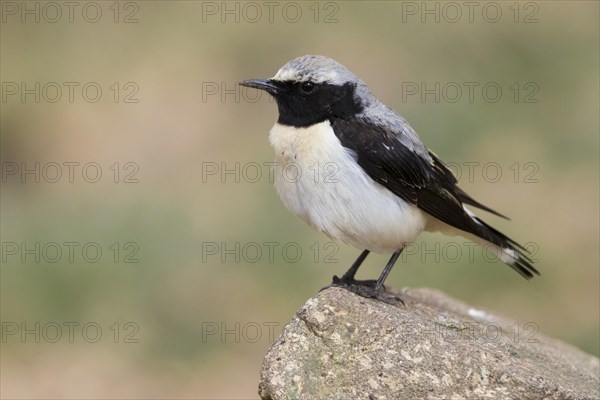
{"x": 342, "y": 346}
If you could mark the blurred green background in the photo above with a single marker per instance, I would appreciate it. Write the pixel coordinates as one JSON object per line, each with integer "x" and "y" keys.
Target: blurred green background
{"x": 188, "y": 319}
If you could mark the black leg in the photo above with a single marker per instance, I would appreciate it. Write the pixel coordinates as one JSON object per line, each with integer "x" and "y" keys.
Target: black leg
{"x": 387, "y": 270}
{"x": 348, "y": 277}
{"x": 375, "y": 289}
{"x": 370, "y": 288}
{"x": 347, "y": 280}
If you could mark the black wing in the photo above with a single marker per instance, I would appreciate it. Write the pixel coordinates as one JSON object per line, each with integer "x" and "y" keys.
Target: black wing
{"x": 427, "y": 184}
{"x": 458, "y": 192}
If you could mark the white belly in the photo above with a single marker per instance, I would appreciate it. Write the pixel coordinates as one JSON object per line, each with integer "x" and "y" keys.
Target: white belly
{"x": 319, "y": 181}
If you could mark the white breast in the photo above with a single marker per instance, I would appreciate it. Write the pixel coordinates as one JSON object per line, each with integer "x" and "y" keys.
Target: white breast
{"x": 320, "y": 181}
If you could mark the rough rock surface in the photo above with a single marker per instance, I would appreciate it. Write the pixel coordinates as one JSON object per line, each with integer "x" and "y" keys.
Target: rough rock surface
{"x": 342, "y": 346}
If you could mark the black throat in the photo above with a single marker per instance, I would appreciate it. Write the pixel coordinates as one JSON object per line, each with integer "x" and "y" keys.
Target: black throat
{"x": 326, "y": 102}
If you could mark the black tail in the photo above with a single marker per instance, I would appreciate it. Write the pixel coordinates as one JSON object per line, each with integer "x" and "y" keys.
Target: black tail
{"x": 510, "y": 252}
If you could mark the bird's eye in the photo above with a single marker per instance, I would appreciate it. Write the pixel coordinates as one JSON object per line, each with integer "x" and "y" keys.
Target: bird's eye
{"x": 307, "y": 86}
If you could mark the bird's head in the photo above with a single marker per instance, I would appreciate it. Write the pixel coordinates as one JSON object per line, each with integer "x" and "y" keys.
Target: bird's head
{"x": 312, "y": 89}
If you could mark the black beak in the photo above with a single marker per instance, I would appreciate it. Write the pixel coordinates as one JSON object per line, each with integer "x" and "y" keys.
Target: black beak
{"x": 263, "y": 84}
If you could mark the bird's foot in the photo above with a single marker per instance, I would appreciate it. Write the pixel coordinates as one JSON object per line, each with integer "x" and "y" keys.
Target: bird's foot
{"x": 346, "y": 281}
{"x": 349, "y": 283}
{"x": 366, "y": 288}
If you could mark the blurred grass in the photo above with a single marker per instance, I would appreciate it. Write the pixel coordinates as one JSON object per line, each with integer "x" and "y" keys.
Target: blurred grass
{"x": 171, "y": 294}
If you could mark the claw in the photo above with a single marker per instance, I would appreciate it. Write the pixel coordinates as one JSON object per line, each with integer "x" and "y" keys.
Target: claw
{"x": 365, "y": 289}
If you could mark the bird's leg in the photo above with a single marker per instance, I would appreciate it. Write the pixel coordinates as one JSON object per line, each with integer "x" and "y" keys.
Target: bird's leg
{"x": 348, "y": 277}
{"x": 386, "y": 270}
{"x": 377, "y": 291}
{"x": 371, "y": 288}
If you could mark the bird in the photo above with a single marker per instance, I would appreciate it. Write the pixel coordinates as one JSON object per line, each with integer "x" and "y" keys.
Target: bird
{"x": 362, "y": 174}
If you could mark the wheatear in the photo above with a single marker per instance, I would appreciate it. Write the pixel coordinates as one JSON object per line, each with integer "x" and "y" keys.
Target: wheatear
{"x": 377, "y": 185}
